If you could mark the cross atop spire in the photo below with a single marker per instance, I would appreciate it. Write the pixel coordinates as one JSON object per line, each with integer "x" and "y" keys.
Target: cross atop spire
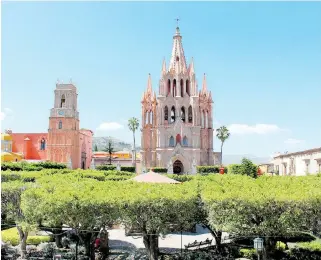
{"x": 177, "y": 62}
{"x": 177, "y": 19}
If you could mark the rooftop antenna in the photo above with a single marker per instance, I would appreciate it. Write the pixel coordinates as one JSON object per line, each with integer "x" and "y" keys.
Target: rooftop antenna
{"x": 177, "y": 19}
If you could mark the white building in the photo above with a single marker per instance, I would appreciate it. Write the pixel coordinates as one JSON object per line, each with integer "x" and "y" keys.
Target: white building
{"x": 298, "y": 163}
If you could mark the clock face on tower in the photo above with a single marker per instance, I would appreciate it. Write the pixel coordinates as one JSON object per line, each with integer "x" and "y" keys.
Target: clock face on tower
{"x": 61, "y": 112}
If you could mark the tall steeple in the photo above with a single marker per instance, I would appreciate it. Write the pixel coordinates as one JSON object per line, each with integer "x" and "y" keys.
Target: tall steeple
{"x": 204, "y": 88}
{"x": 178, "y": 62}
{"x": 149, "y": 84}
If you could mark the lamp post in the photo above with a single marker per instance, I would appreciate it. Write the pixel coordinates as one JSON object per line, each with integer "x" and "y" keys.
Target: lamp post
{"x": 258, "y": 246}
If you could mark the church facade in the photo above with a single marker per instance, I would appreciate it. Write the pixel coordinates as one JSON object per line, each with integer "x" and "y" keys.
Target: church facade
{"x": 65, "y": 142}
{"x": 177, "y": 123}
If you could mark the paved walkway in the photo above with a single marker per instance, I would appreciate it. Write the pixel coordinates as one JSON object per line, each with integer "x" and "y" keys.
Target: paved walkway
{"x": 174, "y": 240}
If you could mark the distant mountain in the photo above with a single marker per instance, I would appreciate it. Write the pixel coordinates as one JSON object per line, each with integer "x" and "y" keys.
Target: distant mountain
{"x": 237, "y": 158}
{"x": 118, "y": 145}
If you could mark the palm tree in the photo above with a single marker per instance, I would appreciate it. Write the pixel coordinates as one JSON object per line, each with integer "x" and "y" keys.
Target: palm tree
{"x": 223, "y": 134}
{"x": 133, "y": 124}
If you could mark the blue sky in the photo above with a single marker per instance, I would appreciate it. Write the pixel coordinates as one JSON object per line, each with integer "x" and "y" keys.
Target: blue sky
{"x": 262, "y": 60}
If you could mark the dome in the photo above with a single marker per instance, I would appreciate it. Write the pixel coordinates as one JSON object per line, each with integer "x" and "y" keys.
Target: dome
{"x": 6, "y": 137}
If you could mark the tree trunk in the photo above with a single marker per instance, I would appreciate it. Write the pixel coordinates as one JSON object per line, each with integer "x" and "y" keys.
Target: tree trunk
{"x": 151, "y": 245}
{"x": 270, "y": 246}
{"x": 222, "y": 154}
{"x": 217, "y": 236}
{"x": 134, "y": 151}
{"x": 23, "y": 241}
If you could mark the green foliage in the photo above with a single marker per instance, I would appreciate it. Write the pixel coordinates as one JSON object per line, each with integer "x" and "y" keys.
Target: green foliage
{"x": 11, "y": 235}
{"x": 245, "y": 168}
{"x": 248, "y": 253}
{"x": 280, "y": 246}
{"x": 234, "y": 169}
{"x": 245, "y": 206}
{"x": 312, "y": 246}
{"x": 180, "y": 178}
{"x": 24, "y": 166}
{"x": 128, "y": 168}
{"x": 204, "y": 170}
{"x": 159, "y": 169}
{"x": 302, "y": 254}
{"x": 248, "y": 168}
{"x": 105, "y": 167}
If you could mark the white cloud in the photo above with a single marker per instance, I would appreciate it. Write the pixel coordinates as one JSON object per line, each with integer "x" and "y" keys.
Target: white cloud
{"x": 109, "y": 126}
{"x": 293, "y": 141}
{"x": 5, "y": 113}
{"x": 242, "y": 129}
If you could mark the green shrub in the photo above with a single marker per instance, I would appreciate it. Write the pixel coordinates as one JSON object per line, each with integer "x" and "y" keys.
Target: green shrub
{"x": 280, "y": 246}
{"x": 10, "y": 176}
{"x": 128, "y": 168}
{"x": 32, "y": 168}
{"x": 117, "y": 178}
{"x": 302, "y": 254}
{"x": 180, "y": 178}
{"x": 159, "y": 169}
{"x": 51, "y": 165}
{"x": 312, "y": 246}
{"x": 119, "y": 173}
{"x": 105, "y": 167}
{"x": 11, "y": 166}
{"x": 204, "y": 170}
{"x": 99, "y": 176}
{"x": 234, "y": 169}
{"x": 248, "y": 253}
{"x": 11, "y": 235}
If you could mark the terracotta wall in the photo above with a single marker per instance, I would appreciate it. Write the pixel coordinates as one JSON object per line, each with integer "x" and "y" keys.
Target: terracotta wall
{"x": 33, "y": 151}
{"x": 85, "y": 144}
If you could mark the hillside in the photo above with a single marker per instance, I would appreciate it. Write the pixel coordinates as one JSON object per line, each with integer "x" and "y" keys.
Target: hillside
{"x": 118, "y": 145}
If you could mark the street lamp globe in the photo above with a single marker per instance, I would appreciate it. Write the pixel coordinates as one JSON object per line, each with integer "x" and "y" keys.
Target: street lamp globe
{"x": 258, "y": 244}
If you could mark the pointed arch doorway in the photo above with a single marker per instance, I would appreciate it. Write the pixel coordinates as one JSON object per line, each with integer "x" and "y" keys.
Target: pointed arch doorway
{"x": 178, "y": 167}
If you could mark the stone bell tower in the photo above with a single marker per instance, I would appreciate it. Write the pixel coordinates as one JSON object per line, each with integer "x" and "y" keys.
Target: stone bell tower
{"x": 177, "y": 125}
{"x": 63, "y": 132}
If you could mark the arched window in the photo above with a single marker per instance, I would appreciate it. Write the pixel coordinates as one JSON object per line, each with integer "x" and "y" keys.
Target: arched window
{"x": 187, "y": 87}
{"x": 166, "y": 113}
{"x": 173, "y": 116}
{"x": 43, "y": 144}
{"x": 174, "y": 87}
{"x": 183, "y": 114}
{"x": 168, "y": 87}
{"x": 62, "y": 101}
{"x": 171, "y": 141}
{"x": 178, "y": 139}
{"x": 190, "y": 114}
{"x": 185, "y": 141}
{"x": 60, "y": 125}
{"x": 182, "y": 88}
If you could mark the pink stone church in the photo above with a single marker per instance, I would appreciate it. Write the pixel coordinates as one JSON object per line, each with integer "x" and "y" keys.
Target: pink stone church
{"x": 177, "y": 123}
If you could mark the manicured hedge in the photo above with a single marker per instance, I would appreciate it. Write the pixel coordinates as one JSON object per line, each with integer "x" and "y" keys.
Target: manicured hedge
{"x": 209, "y": 169}
{"x": 105, "y": 167}
{"x": 159, "y": 169}
{"x": 25, "y": 166}
{"x": 180, "y": 178}
{"x": 128, "y": 168}
{"x": 11, "y": 235}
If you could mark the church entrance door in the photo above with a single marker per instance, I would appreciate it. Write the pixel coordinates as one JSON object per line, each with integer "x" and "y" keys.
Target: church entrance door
{"x": 178, "y": 167}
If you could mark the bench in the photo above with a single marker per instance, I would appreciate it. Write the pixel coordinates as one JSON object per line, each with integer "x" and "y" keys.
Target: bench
{"x": 198, "y": 245}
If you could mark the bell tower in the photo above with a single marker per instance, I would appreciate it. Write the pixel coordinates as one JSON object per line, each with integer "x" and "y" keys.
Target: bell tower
{"x": 63, "y": 132}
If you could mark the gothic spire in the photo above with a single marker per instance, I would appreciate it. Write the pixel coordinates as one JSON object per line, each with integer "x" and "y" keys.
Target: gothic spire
{"x": 164, "y": 67}
{"x": 191, "y": 67}
{"x": 178, "y": 62}
{"x": 149, "y": 83}
{"x": 204, "y": 88}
